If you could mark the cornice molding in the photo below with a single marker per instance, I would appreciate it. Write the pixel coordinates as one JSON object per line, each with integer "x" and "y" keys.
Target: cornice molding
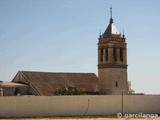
{"x": 111, "y": 65}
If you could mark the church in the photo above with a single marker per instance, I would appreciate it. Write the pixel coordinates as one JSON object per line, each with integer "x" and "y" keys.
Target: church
{"x": 111, "y": 80}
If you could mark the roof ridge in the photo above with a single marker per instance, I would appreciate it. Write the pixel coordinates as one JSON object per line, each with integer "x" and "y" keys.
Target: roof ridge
{"x": 59, "y": 72}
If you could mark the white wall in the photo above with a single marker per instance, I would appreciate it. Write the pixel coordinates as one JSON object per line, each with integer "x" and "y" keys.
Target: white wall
{"x": 41, "y": 106}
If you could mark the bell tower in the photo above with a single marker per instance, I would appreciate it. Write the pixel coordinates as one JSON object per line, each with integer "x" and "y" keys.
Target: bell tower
{"x": 112, "y": 61}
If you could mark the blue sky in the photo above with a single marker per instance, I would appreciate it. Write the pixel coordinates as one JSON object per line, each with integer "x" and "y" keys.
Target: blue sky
{"x": 61, "y": 36}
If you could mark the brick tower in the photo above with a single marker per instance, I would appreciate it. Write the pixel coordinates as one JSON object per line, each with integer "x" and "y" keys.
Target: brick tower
{"x": 112, "y": 61}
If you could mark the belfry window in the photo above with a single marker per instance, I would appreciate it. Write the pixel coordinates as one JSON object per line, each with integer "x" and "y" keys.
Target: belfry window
{"x": 121, "y": 54}
{"x": 102, "y": 54}
{"x": 114, "y": 54}
{"x": 106, "y": 52}
{"x": 116, "y": 84}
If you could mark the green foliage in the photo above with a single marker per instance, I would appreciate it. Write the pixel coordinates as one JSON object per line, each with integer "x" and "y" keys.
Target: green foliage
{"x": 68, "y": 90}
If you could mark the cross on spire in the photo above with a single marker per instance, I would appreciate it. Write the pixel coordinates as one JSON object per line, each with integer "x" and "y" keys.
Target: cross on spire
{"x": 111, "y": 10}
{"x": 111, "y": 20}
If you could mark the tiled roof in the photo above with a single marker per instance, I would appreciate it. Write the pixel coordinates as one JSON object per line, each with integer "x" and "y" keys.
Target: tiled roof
{"x": 46, "y": 82}
{"x": 12, "y": 84}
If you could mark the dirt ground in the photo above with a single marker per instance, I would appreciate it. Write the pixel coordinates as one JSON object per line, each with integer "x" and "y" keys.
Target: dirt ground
{"x": 67, "y": 118}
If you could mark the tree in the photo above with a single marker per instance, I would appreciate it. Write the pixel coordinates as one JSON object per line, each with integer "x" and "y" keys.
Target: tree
{"x": 68, "y": 90}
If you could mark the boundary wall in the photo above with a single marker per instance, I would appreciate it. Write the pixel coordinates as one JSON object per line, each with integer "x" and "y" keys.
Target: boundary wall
{"x": 86, "y": 105}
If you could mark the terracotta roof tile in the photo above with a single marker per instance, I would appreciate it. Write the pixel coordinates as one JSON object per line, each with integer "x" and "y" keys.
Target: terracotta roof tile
{"x": 47, "y": 82}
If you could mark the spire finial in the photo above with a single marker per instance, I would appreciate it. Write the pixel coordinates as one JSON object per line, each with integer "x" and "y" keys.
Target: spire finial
{"x": 100, "y": 34}
{"x": 111, "y": 20}
{"x": 123, "y": 34}
{"x": 111, "y": 10}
